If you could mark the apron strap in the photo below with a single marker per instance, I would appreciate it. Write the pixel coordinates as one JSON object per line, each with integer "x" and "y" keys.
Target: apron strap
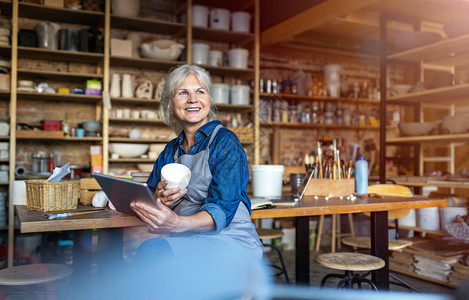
{"x": 214, "y": 133}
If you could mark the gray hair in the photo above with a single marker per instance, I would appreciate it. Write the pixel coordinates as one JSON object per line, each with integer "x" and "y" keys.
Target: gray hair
{"x": 173, "y": 81}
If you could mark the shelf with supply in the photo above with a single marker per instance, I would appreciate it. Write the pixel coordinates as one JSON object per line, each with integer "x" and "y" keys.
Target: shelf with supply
{"x": 319, "y": 126}
{"x": 446, "y": 55}
{"x": 321, "y": 98}
{"x": 57, "y": 75}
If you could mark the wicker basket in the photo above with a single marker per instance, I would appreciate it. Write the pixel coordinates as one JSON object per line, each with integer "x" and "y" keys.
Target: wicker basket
{"x": 51, "y": 196}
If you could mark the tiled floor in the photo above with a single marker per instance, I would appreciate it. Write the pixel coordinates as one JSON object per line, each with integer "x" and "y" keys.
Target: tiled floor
{"x": 317, "y": 272}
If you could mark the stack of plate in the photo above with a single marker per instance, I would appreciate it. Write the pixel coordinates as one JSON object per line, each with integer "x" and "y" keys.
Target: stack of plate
{"x": 140, "y": 176}
{"x": 5, "y": 36}
{"x": 3, "y": 212}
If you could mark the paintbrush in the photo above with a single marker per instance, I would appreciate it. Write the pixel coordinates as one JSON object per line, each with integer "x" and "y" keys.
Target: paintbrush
{"x": 73, "y": 213}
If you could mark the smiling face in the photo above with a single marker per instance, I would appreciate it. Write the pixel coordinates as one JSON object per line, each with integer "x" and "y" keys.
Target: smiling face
{"x": 191, "y": 104}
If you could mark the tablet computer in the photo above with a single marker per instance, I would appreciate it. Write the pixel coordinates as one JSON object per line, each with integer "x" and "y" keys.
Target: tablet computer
{"x": 122, "y": 192}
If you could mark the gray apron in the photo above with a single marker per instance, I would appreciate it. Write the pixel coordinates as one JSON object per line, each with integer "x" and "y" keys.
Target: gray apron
{"x": 241, "y": 231}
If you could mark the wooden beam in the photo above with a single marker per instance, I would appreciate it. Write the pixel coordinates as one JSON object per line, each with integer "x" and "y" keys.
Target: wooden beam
{"x": 311, "y": 18}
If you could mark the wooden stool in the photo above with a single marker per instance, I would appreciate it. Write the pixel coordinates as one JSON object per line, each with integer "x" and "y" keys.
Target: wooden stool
{"x": 350, "y": 262}
{"x": 265, "y": 233}
{"x": 365, "y": 242}
{"x": 48, "y": 280}
{"x": 335, "y": 232}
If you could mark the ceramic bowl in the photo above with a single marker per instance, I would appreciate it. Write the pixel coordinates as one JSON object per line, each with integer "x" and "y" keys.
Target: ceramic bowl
{"x": 414, "y": 39}
{"x": 177, "y": 175}
{"x": 145, "y": 167}
{"x": 401, "y": 89}
{"x": 457, "y": 27}
{"x": 455, "y": 124}
{"x": 128, "y": 150}
{"x": 161, "y": 49}
{"x": 417, "y": 129}
{"x": 91, "y": 126}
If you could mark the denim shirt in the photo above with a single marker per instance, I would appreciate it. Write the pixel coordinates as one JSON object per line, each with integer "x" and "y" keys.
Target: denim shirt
{"x": 228, "y": 165}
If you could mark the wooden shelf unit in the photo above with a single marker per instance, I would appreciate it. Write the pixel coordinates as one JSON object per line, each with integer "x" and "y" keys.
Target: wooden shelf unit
{"x": 433, "y": 139}
{"x": 456, "y": 94}
{"x": 129, "y": 140}
{"x": 57, "y": 14}
{"x": 136, "y": 121}
{"x": 220, "y": 35}
{"x": 148, "y": 25}
{"x": 136, "y": 101}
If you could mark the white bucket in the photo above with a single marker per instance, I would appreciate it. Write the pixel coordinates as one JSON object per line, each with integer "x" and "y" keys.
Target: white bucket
{"x": 448, "y": 215}
{"x": 240, "y": 21}
{"x": 428, "y": 218}
{"x": 267, "y": 180}
{"x": 221, "y": 93}
{"x": 332, "y": 73}
{"x": 200, "y": 53}
{"x": 238, "y": 58}
{"x": 240, "y": 94}
{"x": 220, "y": 18}
{"x": 409, "y": 220}
{"x": 215, "y": 58}
{"x": 200, "y": 16}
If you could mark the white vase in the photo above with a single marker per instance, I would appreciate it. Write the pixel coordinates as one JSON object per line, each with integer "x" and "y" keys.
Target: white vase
{"x": 115, "y": 85}
{"x": 127, "y": 86}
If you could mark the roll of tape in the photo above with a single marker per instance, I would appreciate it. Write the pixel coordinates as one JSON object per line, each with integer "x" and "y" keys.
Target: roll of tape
{"x": 20, "y": 171}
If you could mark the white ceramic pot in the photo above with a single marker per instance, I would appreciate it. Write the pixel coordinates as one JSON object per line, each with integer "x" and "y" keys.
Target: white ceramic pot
{"x": 240, "y": 94}
{"x": 115, "y": 86}
{"x": 215, "y": 58}
{"x": 332, "y": 73}
{"x": 127, "y": 87}
{"x": 221, "y": 93}
{"x": 238, "y": 58}
{"x": 240, "y": 21}
{"x": 200, "y": 53}
{"x": 200, "y": 15}
{"x": 126, "y": 8}
{"x": 220, "y": 18}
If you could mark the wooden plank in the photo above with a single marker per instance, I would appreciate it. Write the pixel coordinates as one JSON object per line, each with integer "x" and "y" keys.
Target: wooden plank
{"x": 457, "y": 94}
{"x": 311, "y": 18}
{"x": 457, "y": 185}
{"x": 321, "y": 98}
{"x": 412, "y": 274}
{"x": 435, "y": 52}
{"x": 439, "y": 138}
{"x": 33, "y": 221}
{"x": 36, "y": 134}
{"x": 318, "y": 126}
{"x": 28, "y": 73}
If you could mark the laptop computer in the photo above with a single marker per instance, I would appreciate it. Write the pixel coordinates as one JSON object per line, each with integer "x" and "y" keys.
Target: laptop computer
{"x": 257, "y": 203}
{"x": 122, "y": 192}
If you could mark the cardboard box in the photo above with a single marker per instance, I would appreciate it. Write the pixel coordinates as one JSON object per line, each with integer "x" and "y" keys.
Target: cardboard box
{"x": 96, "y": 159}
{"x": 54, "y": 3}
{"x": 326, "y": 187}
{"x": 121, "y": 48}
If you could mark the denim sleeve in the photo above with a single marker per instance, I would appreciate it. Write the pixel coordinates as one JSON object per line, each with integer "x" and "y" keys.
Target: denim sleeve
{"x": 230, "y": 176}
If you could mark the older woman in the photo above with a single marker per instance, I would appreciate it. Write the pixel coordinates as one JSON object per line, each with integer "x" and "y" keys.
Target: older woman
{"x": 215, "y": 208}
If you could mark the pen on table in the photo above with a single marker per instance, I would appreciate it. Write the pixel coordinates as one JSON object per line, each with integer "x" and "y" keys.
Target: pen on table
{"x": 68, "y": 214}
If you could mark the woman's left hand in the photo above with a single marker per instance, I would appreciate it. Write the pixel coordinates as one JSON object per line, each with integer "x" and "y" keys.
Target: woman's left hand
{"x": 159, "y": 219}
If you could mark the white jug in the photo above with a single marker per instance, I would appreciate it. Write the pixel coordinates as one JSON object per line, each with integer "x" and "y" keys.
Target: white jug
{"x": 115, "y": 85}
{"x": 127, "y": 86}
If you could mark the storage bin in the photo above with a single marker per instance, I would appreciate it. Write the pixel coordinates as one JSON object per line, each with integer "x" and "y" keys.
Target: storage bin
{"x": 51, "y": 196}
{"x": 51, "y": 125}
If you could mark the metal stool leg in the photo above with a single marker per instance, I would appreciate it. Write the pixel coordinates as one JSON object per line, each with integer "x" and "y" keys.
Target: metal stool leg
{"x": 403, "y": 283}
{"x": 283, "y": 268}
{"x": 325, "y": 278}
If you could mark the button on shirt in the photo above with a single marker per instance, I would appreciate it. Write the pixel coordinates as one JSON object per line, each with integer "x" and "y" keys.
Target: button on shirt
{"x": 228, "y": 165}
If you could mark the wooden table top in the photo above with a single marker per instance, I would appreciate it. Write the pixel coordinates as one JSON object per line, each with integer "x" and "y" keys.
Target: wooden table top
{"x": 309, "y": 206}
{"x": 33, "y": 221}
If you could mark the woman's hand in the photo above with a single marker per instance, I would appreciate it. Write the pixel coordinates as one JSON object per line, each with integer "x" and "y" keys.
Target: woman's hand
{"x": 170, "y": 196}
{"x": 159, "y": 219}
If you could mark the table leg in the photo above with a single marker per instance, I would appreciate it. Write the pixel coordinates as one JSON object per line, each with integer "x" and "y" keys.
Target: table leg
{"x": 379, "y": 247}
{"x": 302, "y": 251}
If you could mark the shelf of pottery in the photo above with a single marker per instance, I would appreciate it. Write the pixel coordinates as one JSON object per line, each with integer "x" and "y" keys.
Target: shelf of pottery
{"x": 59, "y": 70}
{"x": 142, "y": 52}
